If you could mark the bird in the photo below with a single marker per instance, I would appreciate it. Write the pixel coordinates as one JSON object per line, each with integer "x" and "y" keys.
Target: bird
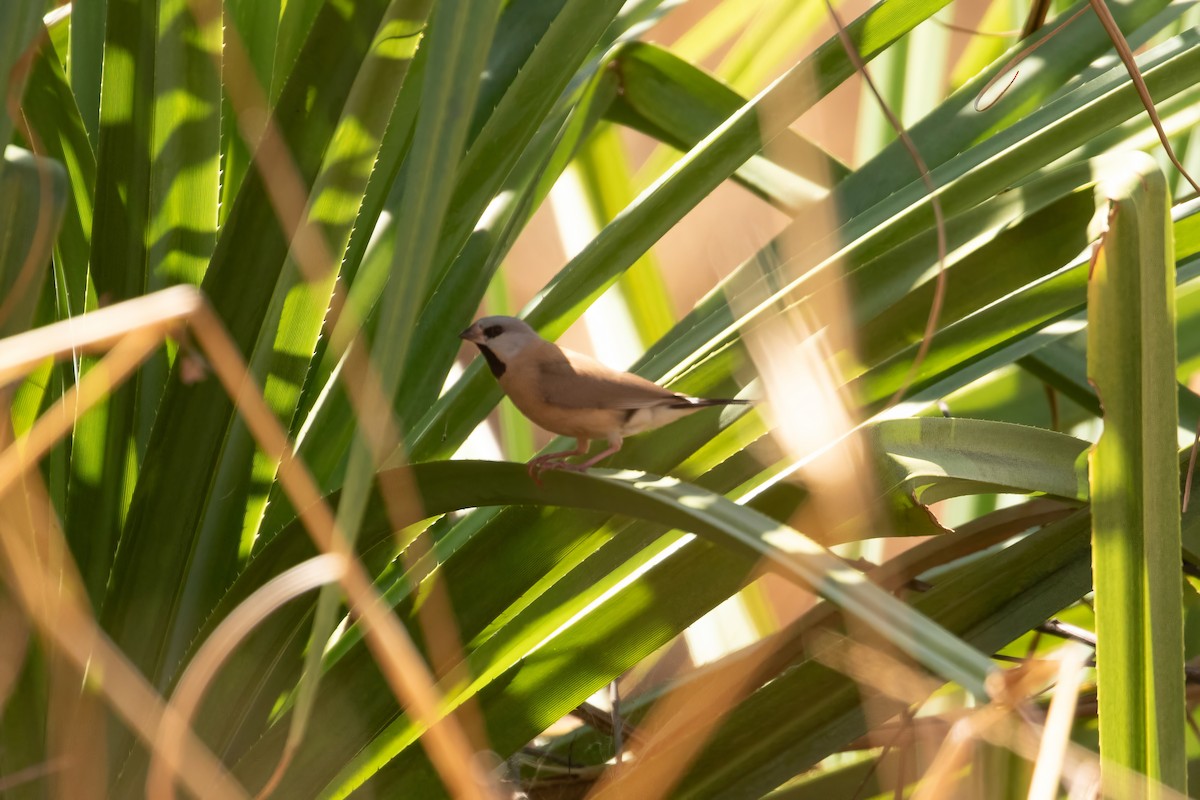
{"x": 572, "y": 394}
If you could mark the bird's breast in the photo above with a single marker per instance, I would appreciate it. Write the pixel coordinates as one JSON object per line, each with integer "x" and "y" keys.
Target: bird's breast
{"x": 525, "y": 393}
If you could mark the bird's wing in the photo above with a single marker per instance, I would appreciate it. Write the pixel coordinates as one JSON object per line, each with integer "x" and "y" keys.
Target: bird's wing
{"x": 573, "y": 380}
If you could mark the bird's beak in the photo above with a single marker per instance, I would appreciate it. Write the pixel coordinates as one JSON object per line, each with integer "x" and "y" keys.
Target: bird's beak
{"x": 472, "y": 334}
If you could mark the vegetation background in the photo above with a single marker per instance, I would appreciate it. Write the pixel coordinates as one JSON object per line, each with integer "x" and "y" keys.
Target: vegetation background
{"x": 261, "y": 529}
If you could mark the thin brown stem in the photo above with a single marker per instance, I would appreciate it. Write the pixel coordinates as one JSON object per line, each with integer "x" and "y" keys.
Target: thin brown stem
{"x": 939, "y": 291}
{"x": 400, "y": 662}
{"x": 1135, "y": 74}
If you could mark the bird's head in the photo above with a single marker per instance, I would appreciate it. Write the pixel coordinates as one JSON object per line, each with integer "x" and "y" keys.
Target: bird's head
{"x": 506, "y": 337}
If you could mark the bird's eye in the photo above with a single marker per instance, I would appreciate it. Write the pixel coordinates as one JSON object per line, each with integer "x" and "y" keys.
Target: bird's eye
{"x": 492, "y": 331}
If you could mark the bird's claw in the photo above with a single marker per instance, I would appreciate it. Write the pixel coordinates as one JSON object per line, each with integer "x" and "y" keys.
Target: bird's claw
{"x": 537, "y": 466}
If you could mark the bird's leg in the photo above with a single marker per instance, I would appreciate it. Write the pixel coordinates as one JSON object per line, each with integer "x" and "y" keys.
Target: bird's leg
{"x": 614, "y": 444}
{"x": 547, "y": 460}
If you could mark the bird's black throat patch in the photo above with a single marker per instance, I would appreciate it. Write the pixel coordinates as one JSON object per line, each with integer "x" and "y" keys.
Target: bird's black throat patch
{"x": 494, "y": 364}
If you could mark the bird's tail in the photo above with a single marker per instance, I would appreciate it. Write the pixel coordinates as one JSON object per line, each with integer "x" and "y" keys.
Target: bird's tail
{"x": 703, "y": 402}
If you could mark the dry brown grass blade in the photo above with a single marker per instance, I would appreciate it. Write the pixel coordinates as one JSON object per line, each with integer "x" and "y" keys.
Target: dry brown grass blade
{"x": 14, "y": 632}
{"x": 875, "y": 665}
{"x": 792, "y": 360}
{"x": 1008, "y": 722}
{"x": 1008, "y": 690}
{"x": 136, "y": 327}
{"x": 159, "y": 313}
{"x": 75, "y": 634}
{"x": 41, "y": 574}
{"x": 677, "y": 729}
{"x": 1080, "y": 766}
{"x": 216, "y": 649}
{"x": 27, "y": 775}
{"x": 23, "y": 454}
{"x": 397, "y": 657}
{"x": 290, "y": 198}
{"x": 892, "y": 686}
{"x": 75, "y": 735}
{"x": 941, "y": 780}
{"x": 1047, "y": 770}
{"x": 435, "y": 615}
{"x": 681, "y": 722}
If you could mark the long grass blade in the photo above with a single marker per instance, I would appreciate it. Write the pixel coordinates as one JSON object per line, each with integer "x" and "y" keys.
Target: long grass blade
{"x": 1134, "y": 476}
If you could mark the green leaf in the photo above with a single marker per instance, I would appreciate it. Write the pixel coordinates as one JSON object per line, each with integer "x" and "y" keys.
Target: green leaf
{"x": 928, "y": 59}
{"x": 368, "y": 126}
{"x": 607, "y": 185}
{"x": 530, "y": 102}
{"x": 108, "y": 442}
{"x": 810, "y": 710}
{"x": 185, "y": 158}
{"x": 297, "y": 22}
{"x": 54, "y": 124}
{"x": 194, "y": 421}
{"x": 662, "y": 205}
{"x": 1019, "y": 150}
{"x": 768, "y": 41}
{"x": 983, "y": 50}
{"x": 670, "y": 99}
{"x": 33, "y": 194}
{"x": 326, "y": 432}
{"x": 886, "y": 170}
{"x": 86, "y": 61}
{"x": 252, "y": 26}
{"x": 18, "y": 22}
{"x": 445, "y": 485}
{"x": 183, "y": 183}
{"x": 553, "y": 602}
{"x": 954, "y": 125}
{"x": 1134, "y": 478}
{"x": 874, "y": 129}
{"x": 54, "y": 119}
{"x": 933, "y": 459}
{"x": 33, "y": 199}
{"x": 715, "y": 29}
{"x": 514, "y": 552}
{"x": 457, "y": 45}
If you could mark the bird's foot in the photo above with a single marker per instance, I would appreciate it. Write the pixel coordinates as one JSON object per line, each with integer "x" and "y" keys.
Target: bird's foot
{"x": 567, "y": 466}
{"x": 537, "y": 466}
